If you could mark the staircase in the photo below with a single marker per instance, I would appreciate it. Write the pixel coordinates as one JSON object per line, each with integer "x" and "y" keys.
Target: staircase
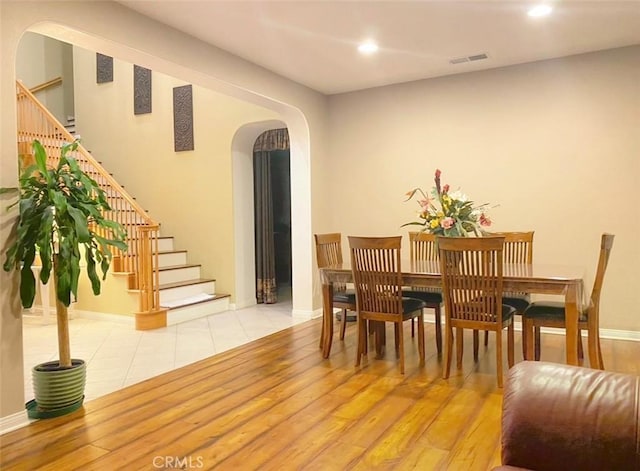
{"x": 171, "y": 290}
{"x": 183, "y": 291}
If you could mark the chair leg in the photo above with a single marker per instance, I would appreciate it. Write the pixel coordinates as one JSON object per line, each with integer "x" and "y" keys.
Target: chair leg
{"x": 362, "y": 339}
{"x": 580, "y": 348}
{"x": 499, "y": 356}
{"x": 538, "y": 341}
{"x": 343, "y": 324}
{"x": 486, "y": 338}
{"x": 529, "y": 337}
{"x": 459, "y": 347}
{"x": 449, "y": 353}
{"x": 401, "y": 347}
{"x": 594, "y": 358}
{"x": 322, "y": 335}
{"x": 601, "y": 363}
{"x": 438, "y": 330}
{"x": 397, "y": 327}
{"x": 476, "y": 343}
{"x": 510, "y": 347}
{"x": 413, "y": 328}
{"x": 421, "y": 349}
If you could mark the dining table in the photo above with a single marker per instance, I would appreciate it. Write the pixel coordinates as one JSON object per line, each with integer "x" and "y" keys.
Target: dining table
{"x": 567, "y": 281}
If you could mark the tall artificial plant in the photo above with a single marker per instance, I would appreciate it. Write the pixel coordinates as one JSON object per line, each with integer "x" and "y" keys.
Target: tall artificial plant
{"x": 61, "y": 219}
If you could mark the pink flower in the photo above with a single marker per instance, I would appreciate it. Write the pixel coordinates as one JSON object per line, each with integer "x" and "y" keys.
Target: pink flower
{"x": 484, "y": 220}
{"x": 445, "y": 189}
{"x": 438, "y": 173}
{"x": 424, "y": 204}
{"x": 447, "y": 223}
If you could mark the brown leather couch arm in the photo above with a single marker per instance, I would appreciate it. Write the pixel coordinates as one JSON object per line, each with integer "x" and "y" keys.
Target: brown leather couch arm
{"x": 560, "y": 418}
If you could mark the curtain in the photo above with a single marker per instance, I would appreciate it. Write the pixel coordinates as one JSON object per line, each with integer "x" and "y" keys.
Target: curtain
{"x": 267, "y": 142}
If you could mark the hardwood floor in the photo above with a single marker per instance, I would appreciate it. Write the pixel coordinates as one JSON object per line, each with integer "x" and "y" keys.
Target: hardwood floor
{"x": 275, "y": 404}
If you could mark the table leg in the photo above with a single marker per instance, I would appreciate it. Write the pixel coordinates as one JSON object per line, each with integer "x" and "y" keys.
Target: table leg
{"x": 327, "y": 319}
{"x": 571, "y": 321}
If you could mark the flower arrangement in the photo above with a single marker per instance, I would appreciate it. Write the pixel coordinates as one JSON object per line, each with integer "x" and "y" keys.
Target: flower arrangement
{"x": 449, "y": 213}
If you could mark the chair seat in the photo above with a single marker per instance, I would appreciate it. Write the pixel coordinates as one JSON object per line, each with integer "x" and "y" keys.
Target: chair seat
{"x": 429, "y": 297}
{"x": 520, "y": 303}
{"x": 508, "y": 312}
{"x": 411, "y": 305}
{"x": 548, "y": 310}
{"x": 347, "y": 296}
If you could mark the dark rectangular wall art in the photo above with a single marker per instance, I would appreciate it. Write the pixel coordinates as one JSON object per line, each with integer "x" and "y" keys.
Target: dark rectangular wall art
{"x": 141, "y": 90}
{"x": 183, "y": 118}
{"x": 104, "y": 68}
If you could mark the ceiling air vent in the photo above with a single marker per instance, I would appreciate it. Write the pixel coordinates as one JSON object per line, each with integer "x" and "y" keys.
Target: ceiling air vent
{"x": 475, "y": 57}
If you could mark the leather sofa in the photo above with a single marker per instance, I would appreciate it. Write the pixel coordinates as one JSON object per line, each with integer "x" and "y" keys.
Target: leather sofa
{"x": 561, "y": 418}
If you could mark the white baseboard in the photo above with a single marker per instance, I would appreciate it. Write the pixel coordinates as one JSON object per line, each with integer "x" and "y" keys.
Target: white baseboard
{"x": 613, "y": 334}
{"x": 103, "y": 316}
{"x": 14, "y": 422}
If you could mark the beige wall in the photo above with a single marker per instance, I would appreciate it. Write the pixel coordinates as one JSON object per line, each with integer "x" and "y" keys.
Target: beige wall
{"x": 556, "y": 144}
{"x": 190, "y": 192}
{"x": 117, "y": 31}
{"x": 41, "y": 59}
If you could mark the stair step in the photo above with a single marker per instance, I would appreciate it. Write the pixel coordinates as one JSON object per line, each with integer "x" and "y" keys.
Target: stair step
{"x": 190, "y": 301}
{"x": 185, "y": 289}
{"x": 175, "y": 257}
{"x": 174, "y": 273}
{"x": 196, "y": 309}
{"x": 179, "y": 284}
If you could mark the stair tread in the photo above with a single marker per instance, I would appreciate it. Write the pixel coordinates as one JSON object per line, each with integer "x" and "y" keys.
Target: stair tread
{"x": 178, "y": 267}
{"x": 190, "y": 301}
{"x": 178, "y": 284}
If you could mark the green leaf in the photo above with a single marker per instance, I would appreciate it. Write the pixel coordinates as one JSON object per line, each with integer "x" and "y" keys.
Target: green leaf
{"x": 40, "y": 155}
{"x": 91, "y": 271}
{"x": 27, "y": 286}
{"x": 80, "y": 221}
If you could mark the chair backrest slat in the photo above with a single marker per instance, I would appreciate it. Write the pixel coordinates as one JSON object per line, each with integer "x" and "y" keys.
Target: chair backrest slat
{"x": 375, "y": 262}
{"x": 472, "y": 277}
{"x": 329, "y": 252}
{"x": 606, "y": 244}
{"x": 518, "y": 246}
{"x": 422, "y": 246}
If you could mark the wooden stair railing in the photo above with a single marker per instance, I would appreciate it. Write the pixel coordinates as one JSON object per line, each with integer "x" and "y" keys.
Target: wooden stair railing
{"x": 141, "y": 258}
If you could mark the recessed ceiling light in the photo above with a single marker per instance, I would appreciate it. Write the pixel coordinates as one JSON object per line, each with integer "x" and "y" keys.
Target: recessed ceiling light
{"x": 368, "y": 47}
{"x": 540, "y": 10}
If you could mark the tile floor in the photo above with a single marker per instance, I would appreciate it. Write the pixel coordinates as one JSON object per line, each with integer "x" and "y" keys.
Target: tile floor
{"x": 117, "y": 355}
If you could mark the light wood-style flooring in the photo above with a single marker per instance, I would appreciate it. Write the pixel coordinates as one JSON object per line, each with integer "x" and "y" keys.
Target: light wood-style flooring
{"x": 275, "y": 404}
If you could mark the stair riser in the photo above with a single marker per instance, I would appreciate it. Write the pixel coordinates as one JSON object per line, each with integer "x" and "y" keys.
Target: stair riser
{"x": 179, "y": 274}
{"x": 165, "y": 244}
{"x": 196, "y": 311}
{"x": 171, "y": 294}
{"x": 173, "y": 258}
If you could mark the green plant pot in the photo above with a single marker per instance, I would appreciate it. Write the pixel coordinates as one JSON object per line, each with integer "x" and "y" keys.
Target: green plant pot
{"x": 58, "y": 388}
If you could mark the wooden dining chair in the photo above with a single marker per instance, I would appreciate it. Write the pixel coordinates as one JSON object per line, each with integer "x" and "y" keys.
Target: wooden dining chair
{"x": 377, "y": 275}
{"x": 518, "y": 248}
{"x": 552, "y": 314}
{"x": 423, "y": 248}
{"x": 471, "y": 269}
{"x": 329, "y": 252}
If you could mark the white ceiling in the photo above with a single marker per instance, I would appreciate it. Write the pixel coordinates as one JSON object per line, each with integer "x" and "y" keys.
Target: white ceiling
{"x": 314, "y": 42}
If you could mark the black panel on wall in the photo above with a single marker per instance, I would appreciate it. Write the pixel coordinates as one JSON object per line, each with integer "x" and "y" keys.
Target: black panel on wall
{"x": 183, "y": 118}
{"x": 141, "y": 90}
{"x": 104, "y": 68}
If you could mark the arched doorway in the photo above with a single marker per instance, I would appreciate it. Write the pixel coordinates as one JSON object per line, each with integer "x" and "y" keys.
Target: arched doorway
{"x": 272, "y": 215}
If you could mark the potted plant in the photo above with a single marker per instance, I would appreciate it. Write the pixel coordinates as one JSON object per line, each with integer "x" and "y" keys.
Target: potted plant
{"x": 61, "y": 221}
